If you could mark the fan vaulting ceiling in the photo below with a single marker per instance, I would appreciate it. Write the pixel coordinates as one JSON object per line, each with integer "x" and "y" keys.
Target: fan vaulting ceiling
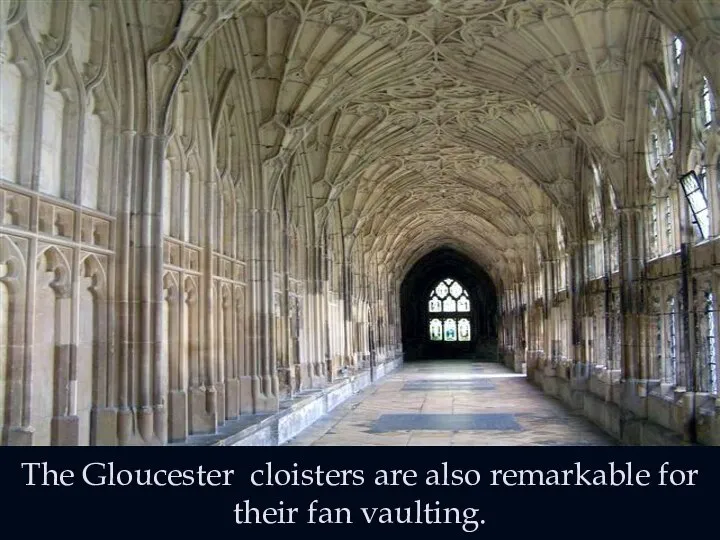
{"x": 423, "y": 123}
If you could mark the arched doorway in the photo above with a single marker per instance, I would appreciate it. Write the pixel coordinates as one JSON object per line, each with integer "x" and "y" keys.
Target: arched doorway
{"x": 448, "y": 309}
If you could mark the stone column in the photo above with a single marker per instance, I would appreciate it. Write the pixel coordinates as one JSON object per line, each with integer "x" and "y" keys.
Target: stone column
{"x": 249, "y": 382}
{"x": 115, "y": 423}
{"x": 686, "y": 376}
{"x": 319, "y": 330}
{"x": 286, "y": 371}
{"x": 306, "y": 323}
{"x": 348, "y": 309}
{"x": 214, "y": 390}
{"x": 549, "y": 294}
{"x": 609, "y": 314}
{"x": 146, "y": 293}
{"x": 16, "y": 427}
{"x": 631, "y": 280}
{"x": 272, "y": 384}
{"x": 365, "y": 326}
{"x": 65, "y": 422}
{"x": 577, "y": 347}
{"x": 265, "y": 379}
{"x": 324, "y": 300}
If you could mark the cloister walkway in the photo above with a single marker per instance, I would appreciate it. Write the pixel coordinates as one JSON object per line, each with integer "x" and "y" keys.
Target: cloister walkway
{"x": 448, "y": 403}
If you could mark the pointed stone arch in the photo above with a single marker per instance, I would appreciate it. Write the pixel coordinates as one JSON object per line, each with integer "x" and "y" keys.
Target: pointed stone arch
{"x": 13, "y": 275}
{"x": 52, "y": 354}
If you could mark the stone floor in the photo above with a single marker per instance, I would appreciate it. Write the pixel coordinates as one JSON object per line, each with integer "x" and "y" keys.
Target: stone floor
{"x": 449, "y": 402}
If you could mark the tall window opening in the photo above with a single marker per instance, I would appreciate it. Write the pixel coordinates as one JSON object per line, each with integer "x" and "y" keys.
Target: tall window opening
{"x": 658, "y": 365}
{"x": 709, "y": 375}
{"x": 449, "y": 308}
{"x": 660, "y": 164}
{"x": 676, "y": 58}
{"x": 706, "y": 106}
{"x": 670, "y": 367}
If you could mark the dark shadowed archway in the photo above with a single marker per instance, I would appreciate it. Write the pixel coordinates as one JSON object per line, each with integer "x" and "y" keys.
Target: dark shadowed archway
{"x": 432, "y": 331}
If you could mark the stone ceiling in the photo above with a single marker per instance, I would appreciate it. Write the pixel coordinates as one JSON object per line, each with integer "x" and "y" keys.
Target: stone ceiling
{"x": 431, "y": 122}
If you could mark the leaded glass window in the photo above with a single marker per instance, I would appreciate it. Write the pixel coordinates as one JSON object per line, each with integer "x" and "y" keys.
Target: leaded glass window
{"x": 464, "y": 330}
{"x": 449, "y": 304}
{"x": 447, "y": 299}
{"x": 436, "y": 332}
{"x": 450, "y": 327}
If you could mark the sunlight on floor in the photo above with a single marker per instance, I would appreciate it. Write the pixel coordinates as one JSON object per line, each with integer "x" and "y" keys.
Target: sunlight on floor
{"x": 449, "y": 403}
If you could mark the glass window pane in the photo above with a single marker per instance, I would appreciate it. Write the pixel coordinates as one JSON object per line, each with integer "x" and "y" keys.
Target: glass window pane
{"x": 455, "y": 289}
{"x": 703, "y": 223}
{"x": 670, "y": 364}
{"x": 678, "y": 46}
{"x": 654, "y": 150}
{"x": 449, "y": 305}
{"x": 464, "y": 330}
{"x": 706, "y": 104}
{"x": 669, "y": 225}
{"x": 463, "y": 304}
{"x": 441, "y": 290}
{"x": 450, "y": 330}
{"x": 436, "y": 330}
{"x": 692, "y": 185}
{"x": 435, "y": 306}
{"x": 709, "y": 375}
{"x": 697, "y": 200}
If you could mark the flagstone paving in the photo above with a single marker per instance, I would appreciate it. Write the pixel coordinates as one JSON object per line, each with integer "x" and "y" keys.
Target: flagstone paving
{"x": 452, "y": 403}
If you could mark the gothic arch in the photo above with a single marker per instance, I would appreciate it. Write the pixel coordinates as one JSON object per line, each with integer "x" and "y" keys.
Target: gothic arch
{"x": 94, "y": 370}
{"x": 51, "y": 359}
{"x": 12, "y": 335}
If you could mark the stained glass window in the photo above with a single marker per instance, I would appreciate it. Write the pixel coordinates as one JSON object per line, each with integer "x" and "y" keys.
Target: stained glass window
{"x": 464, "y": 330}
{"x": 441, "y": 290}
{"x": 436, "y": 333}
{"x": 450, "y": 330}
{"x": 446, "y": 299}
{"x": 449, "y": 304}
{"x": 455, "y": 289}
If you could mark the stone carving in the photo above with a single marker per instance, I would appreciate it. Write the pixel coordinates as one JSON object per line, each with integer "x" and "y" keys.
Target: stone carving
{"x": 185, "y": 168}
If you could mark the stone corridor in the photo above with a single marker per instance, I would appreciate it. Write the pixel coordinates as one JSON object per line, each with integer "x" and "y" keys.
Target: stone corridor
{"x": 452, "y": 403}
{"x": 220, "y": 219}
